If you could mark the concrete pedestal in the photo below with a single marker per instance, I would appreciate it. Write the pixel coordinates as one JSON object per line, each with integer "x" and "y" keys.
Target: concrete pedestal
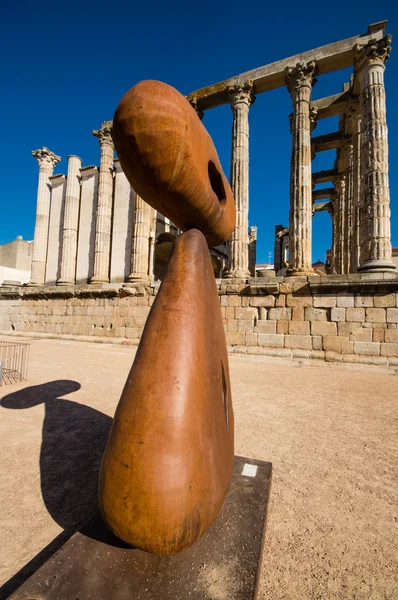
{"x": 225, "y": 563}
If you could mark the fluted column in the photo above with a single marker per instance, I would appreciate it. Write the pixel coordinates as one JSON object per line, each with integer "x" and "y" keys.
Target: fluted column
{"x": 333, "y": 214}
{"x": 71, "y": 222}
{"x": 356, "y": 187}
{"x": 346, "y": 206}
{"x": 375, "y": 193}
{"x": 340, "y": 225}
{"x": 240, "y": 97}
{"x": 104, "y": 207}
{"x": 140, "y": 245}
{"x": 300, "y": 81}
{"x": 47, "y": 161}
{"x": 152, "y": 243}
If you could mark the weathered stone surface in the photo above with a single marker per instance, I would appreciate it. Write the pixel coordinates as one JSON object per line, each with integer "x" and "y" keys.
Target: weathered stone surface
{"x": 392, "y": 315}
{"x": 315, "y": 314}
{"x": 378, "y": 334}
{"x": 298, "y": 341}
{"x": 375, "y": 315}
{"x": 278, "y": 314}
{"x": 368, "y": 348}
{"x": 324, "y": 301}
{"x": 332, "y": 343}
{"x": 389, "y": 349}
{"x": 265, "y": 327}
{"x": 299, "y": 327}
{"x": 323, "y": 328}
{"x": 361, "y": 335}
{"x": 363, "y": 301}
{"x": 271, "y": 340}
{"x": 266, "y": 301}
{"x": 337, "y": 314}
{"x": 355, "y": 314}
{"x": 344, "y": 301}
{"x": 391, "y": 335}
{"x": 282, "y": 326}
{"x": 385, "y": 301}
{"x": 293, "y": 300}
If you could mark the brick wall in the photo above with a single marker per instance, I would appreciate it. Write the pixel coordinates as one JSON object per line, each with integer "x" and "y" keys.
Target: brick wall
{"x": 334, "y": 319}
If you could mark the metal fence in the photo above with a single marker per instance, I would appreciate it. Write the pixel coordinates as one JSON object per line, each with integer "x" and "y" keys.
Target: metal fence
{"x": 14, "y": 359}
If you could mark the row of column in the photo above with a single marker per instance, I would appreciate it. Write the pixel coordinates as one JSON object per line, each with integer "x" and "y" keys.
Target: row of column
{"x": 361, "y": 205}
{"x": 67, "y": 206}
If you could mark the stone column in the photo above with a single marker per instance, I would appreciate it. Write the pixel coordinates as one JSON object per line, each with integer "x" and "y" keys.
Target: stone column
{"x": 252, "y": 250}
{"x": 152, "y": 243}
{"x": 104, "y": 207}
{"x": 47, "y": 161}
{"x": 71, "y": 222}
{"x": 333, "y": 214}
{"x": 300, "y": 81}
{"x": 140, "y": 245}
{"x": 56, "y": 229}
{"x": 340, "y": 217}
{"x": 356, "y": 187}
{"x": 86, "y": 235}
{"x": 375, "y": 193}
{"x": 122, "y": 226}
{"x": 346, "y": 152}
{"x": 240, "y": 98}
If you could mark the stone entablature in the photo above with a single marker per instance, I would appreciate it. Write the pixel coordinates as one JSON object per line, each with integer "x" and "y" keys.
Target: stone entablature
{"x": 333, "y": 318}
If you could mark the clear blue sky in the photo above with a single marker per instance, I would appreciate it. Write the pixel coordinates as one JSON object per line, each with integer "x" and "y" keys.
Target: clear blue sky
{"x": 65, "y": 65}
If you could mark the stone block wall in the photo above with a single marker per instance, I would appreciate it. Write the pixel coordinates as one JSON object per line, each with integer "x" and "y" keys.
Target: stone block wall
{"x": 331, "y": 318}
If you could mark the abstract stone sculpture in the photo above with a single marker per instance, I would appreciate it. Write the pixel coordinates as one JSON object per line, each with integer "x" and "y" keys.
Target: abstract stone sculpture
{"x": 170, "y": 454}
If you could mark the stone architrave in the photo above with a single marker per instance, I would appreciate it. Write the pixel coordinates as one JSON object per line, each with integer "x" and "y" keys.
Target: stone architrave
{"x": 300, "y": 81}
{"x": 71, "y": 222}
{"x": 375, "y": 193}
{"x": 104, "y": 207}
{"x": 194, "y": 103}
{"x": 241, "y": 97}
{"x": 56, "y": 228}
{"x": 140, "y": 242}
{"x": 87, "y": 217}
{"x": 122, "y": 226}
{"x": 47, "y": 161}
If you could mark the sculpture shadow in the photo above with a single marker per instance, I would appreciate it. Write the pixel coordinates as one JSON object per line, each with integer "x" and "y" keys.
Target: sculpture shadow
{"x": 73, "y": 442}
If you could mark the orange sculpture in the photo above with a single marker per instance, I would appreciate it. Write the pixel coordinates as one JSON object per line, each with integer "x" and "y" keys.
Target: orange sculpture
{"x": 169, "y": 458}
{"x": 171, "y": 162}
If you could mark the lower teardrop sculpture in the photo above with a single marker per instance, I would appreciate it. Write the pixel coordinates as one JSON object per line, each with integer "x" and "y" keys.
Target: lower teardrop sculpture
{"x": 170, "y": 454}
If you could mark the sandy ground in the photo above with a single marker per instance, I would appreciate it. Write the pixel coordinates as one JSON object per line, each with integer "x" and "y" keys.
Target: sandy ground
{"x": 329, "y": 430}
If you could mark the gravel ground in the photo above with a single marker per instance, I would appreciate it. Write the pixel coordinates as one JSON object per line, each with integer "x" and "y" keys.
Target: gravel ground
{"x": 330, "y": 431}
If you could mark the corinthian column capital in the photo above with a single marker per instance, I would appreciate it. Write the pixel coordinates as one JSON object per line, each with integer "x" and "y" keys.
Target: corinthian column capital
{"x": 375, "y": 51}
{"x": 302, "y": 75}
{"x": 241, "y": 94}
{"x": 47, "y": 160}
{"x": 104, "y": 136}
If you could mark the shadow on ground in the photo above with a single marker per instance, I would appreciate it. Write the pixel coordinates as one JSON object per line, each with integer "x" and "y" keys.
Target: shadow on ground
{"x": 74, "y": 439}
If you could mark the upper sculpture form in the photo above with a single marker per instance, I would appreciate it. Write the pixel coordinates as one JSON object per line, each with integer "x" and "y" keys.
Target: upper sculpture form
{"x": 171, "y": 162}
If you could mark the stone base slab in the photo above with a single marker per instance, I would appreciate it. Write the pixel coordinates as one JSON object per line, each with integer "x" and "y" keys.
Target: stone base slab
{"x": 224, "y": 563}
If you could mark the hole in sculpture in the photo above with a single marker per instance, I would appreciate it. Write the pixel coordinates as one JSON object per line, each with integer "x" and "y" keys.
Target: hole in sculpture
{"x": 216, "y": 182}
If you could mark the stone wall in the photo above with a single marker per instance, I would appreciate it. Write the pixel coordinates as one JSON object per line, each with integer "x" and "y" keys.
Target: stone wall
{"x": 334, "y": 318}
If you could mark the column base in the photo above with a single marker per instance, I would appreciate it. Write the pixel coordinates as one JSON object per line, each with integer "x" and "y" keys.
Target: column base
{"x": 138, "y": 278}
{"x": 98, "y": 281}
{"x": 241, "y": 275}
{"x": 65, "y": 282}
{"x": 377, "y": 266}
{"x": 300, "y": 273}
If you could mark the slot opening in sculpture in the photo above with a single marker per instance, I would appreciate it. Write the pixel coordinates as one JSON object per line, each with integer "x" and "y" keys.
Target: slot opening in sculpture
{"x": 217, "y": 183}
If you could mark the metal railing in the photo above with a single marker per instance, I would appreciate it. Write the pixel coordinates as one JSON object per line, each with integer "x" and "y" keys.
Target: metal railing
{"x": 14, "y": 359}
